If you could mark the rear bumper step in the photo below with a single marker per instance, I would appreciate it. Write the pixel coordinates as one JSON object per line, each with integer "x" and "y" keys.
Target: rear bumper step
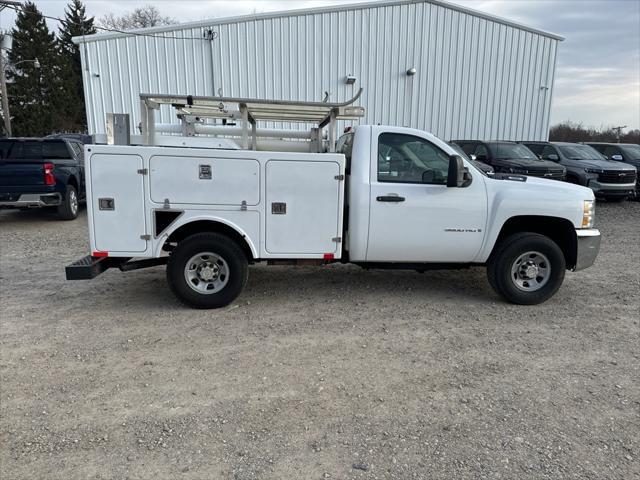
{"x": 90, "y": 267}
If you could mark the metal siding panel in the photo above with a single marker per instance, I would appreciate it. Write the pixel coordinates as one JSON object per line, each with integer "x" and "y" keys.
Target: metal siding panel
{"x": 475, "y": 77}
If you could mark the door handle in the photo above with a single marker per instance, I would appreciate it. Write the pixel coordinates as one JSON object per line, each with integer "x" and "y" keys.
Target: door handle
{"x": 390, "y": 198}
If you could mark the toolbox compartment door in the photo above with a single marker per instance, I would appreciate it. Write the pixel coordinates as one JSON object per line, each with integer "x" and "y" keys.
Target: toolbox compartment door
{"x": 117, "y": 197}
{"x": 303, "y": 207}
{"x": 204, "y": 180}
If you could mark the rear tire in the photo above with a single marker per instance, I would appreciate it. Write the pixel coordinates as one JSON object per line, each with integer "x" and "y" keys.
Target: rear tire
{"x": 70, "y": 206}
{"x": 526, "y": 268}
{"x": 207, "y": 270}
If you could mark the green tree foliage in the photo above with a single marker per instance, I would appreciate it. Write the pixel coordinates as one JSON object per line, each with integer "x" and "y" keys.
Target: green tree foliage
{"x": 71, "y": 103}
{"x": 32, "y": 91}
{"x": 576, "y": 132}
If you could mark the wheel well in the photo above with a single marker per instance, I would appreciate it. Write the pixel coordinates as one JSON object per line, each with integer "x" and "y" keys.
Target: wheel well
{"x": 73, "y": 182}
{"x": 560, "y": 230}
{"x": 202, "y": 226}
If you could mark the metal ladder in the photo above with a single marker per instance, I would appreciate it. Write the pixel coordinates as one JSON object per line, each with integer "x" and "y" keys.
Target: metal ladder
{"x": 191, "y": 110}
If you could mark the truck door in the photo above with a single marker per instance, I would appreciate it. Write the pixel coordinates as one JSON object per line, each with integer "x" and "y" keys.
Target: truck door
{"x": 414, "y": 217}
{"x": 117, "y": 195}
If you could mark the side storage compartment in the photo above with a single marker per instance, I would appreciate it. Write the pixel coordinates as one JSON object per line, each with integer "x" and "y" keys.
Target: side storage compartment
{"x": 117, "y": 199}
{"x": 303, "y": 207}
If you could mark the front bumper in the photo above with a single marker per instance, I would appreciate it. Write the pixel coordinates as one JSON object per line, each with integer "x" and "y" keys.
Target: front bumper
{"x": 612, "y": 188}
{"x": 588, "y": 246}
{"x": 30, "y": 200}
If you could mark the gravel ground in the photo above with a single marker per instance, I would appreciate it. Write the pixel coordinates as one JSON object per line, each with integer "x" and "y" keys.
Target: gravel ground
{"x": 315, "y": 373}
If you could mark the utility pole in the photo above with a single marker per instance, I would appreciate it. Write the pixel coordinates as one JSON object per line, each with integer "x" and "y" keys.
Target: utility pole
{"x": 3, "y": 74}
{"x": 5, "y": 99}
{"x": 618, "y": 131}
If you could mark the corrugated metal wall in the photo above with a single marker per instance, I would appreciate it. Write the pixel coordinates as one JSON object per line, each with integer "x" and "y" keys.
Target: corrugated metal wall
{"x": 476, "y": 78}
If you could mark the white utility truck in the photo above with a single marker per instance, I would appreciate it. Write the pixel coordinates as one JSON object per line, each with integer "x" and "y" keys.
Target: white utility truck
{"x": 378, "y": 197}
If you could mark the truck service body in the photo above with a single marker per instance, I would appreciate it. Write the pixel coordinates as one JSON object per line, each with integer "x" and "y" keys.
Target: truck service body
{"x": 389, "y": 197}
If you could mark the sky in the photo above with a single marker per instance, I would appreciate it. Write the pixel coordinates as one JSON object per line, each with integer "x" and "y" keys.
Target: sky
{"x": 598, "y": 75}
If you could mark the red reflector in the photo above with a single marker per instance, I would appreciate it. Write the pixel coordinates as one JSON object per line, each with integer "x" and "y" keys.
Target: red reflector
{"x": 49, "y": 179}
{"x": 328, "y": 256}
{"x": 99, "y": 254}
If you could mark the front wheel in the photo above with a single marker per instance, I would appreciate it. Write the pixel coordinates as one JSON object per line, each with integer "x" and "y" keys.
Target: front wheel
{"x": 207, "y": 270}
{"x": 526, "y": 268}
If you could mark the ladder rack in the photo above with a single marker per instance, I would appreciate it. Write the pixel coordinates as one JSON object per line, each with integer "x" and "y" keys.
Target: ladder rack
{"x": 249, "y": 111}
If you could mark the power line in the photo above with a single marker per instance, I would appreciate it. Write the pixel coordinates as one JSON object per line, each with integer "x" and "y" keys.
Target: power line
{"x": 208, "y": 36}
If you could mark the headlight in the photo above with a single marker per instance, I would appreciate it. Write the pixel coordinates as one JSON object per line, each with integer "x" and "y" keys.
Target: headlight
{"x": 594, "y": 170}
{"x": 588, "y": 213}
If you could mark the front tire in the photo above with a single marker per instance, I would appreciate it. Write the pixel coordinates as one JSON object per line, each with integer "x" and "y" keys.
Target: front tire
{"x": 526, "y": 268}
{"x": 70, "y": 206}
{"x": 207, "y": 270}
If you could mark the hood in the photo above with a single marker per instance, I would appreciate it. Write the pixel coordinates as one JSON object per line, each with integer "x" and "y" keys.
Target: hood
{"x": 601, "y": 164}
{"x": 527, "y": 163}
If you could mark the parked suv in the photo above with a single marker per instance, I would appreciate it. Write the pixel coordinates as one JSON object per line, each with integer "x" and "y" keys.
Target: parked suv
{"x": 511, "y": 157}
{"x": 37, "y": 172}
{"x": 614, "y": 181}
{"x": 621, "y": 152}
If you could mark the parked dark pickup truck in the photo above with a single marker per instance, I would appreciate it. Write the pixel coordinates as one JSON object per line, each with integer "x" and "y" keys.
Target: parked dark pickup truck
{"x": 38, "y": 172}
{"x": 622, "y": 152}
{"x": 511, "y": 157}
{"x": 614, "y": 181}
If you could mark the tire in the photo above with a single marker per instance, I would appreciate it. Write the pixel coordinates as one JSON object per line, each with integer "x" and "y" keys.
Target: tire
{"x": 207, "y": 270}
{"x": 70, "y": 206}
{"x": 526, "y": 268}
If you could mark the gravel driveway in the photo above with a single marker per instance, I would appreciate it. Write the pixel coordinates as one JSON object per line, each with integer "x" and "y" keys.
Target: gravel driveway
{"x": 315, "y": 373}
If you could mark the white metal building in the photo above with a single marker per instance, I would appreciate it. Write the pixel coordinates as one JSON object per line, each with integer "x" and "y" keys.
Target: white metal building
{"x": 476, "y": 75}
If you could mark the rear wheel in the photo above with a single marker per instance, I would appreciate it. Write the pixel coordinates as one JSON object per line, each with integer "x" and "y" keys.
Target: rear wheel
{"x": 70, "y": 206}
{"x": 526, "y": 268}
{"x": 207, "y": 270}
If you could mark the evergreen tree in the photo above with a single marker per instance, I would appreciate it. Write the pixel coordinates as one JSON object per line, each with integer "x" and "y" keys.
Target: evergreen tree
{"x": 33, "y": 90}
{"x": 75, "y": 24}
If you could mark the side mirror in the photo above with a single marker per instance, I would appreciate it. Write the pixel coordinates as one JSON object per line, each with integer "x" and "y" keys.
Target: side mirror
{"x": 617, "y": 158}
{"x": 553, "y": 157}
{"x": 455, "y": 176}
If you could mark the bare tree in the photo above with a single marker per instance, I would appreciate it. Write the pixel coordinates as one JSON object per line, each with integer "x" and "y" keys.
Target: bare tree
{"x": 147, "y": 16}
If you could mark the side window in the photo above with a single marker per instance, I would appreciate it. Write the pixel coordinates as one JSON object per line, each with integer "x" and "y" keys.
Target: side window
{"x": 408, "y": 159}
{"x": 481, "y": 153}
{"x": 536, "y": 148}
{"x": 548, "y": 150}
{"x": 609, "y": 151}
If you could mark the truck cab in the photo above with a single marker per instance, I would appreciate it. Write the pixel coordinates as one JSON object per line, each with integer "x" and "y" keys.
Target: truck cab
{"x": 378, "y": 197}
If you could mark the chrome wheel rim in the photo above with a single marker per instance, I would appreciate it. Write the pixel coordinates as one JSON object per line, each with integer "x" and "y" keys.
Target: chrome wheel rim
{"x": 530, "y": 271}
{"x": 206, "y": 273}
{"x": 73, "y": 201}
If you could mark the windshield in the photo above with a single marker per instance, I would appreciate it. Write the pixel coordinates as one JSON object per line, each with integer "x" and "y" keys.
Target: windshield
{"x": 580, "y": 152}
{"x": 632, "y": 150}
{"x": 511, "y": 150}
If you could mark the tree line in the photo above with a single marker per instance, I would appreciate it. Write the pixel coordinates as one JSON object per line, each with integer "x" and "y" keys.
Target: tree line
{"x": 47, "y": 96}
{"x": 575, "y": 132}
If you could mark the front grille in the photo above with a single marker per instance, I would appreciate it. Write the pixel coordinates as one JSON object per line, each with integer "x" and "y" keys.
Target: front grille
{"x": 550, "y": 174}
{"x": 617, "y": 177}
